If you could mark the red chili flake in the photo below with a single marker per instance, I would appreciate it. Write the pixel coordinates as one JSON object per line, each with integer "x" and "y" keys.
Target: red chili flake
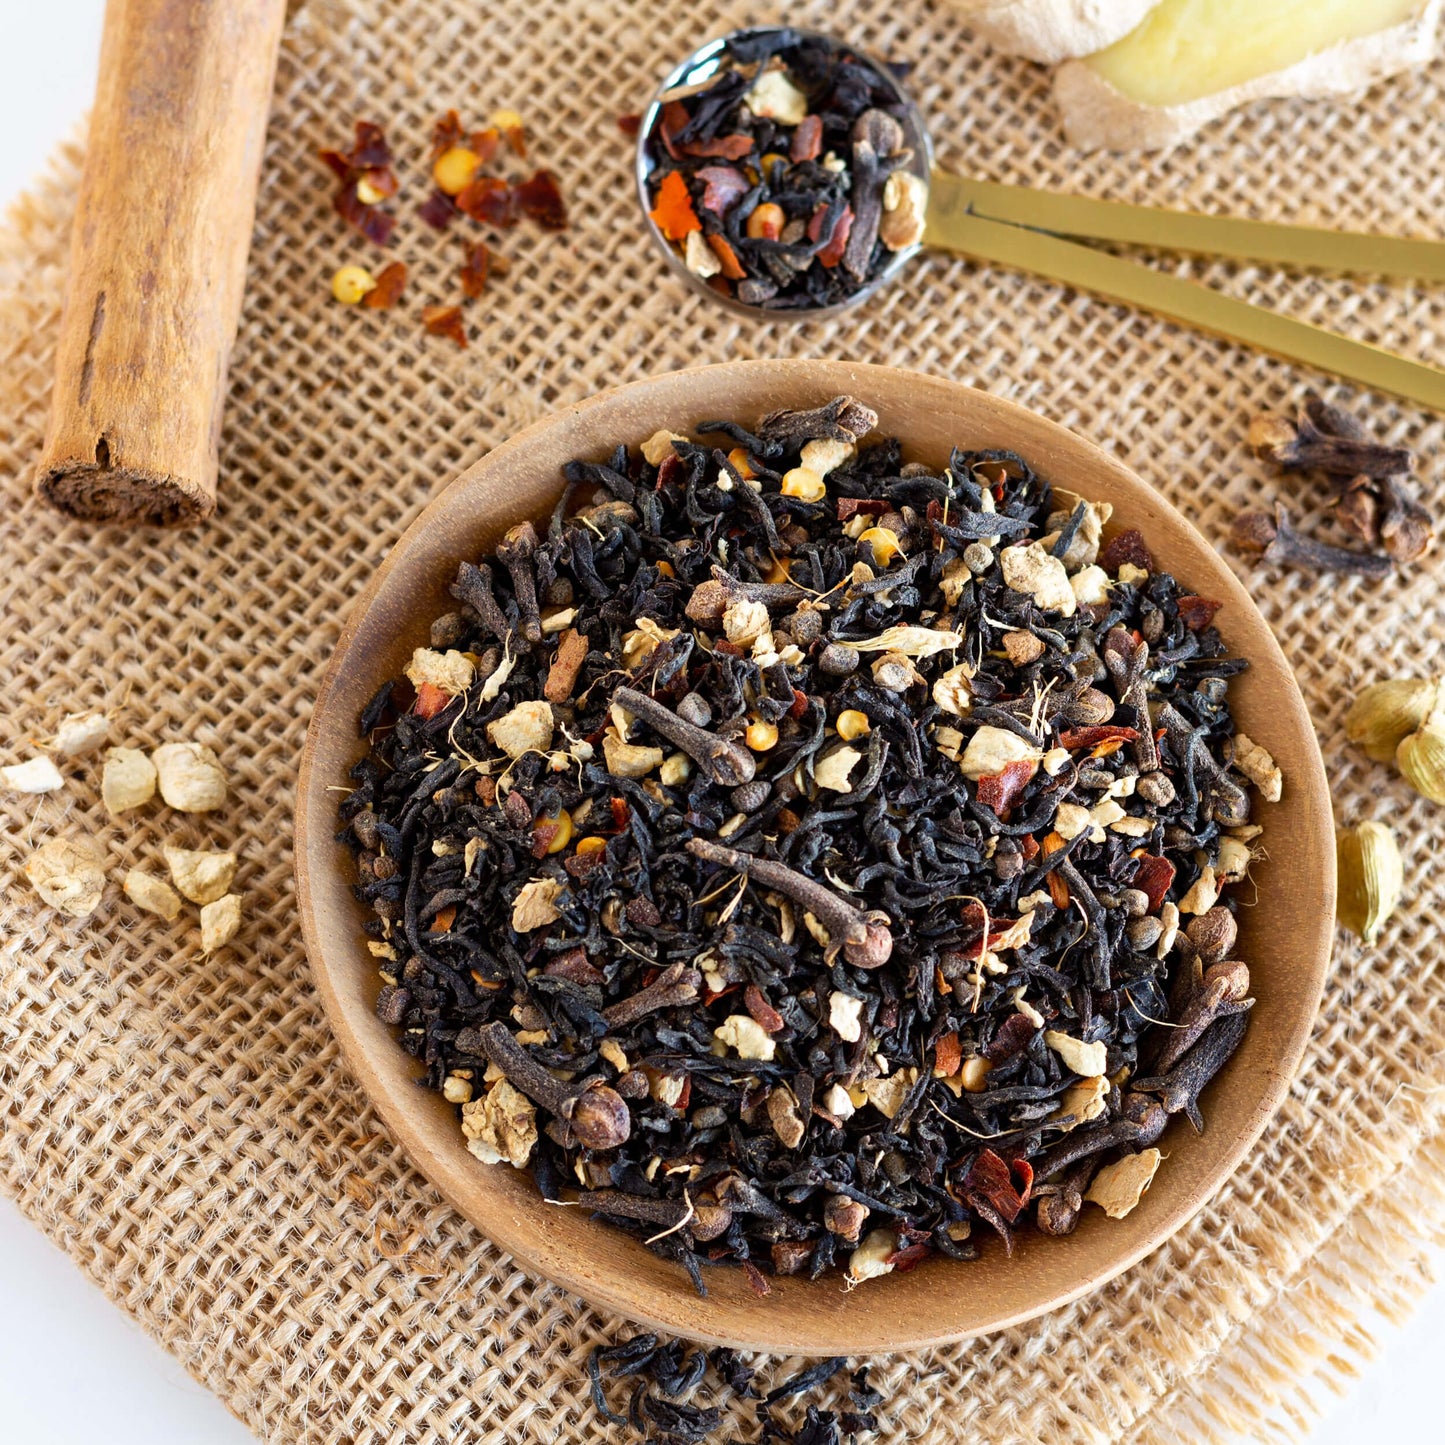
{"x": 904, "y": 1260}
{"x": 543, "y": 834}
{"x": 726, "y": 147}
{"x": 486, "y": 143}
{"x": 580, "y": 865}
{"x": 673, "y": 214}
{"x": 446, "y": 134}
{"x": 474, "y": 269}
{"x": 757, "y": 1280}
{"x": 800, "y": 704}
{"x": 1198, "y": 612}
{"x": 438, "y": 210}
{"x": 630, "y": 124}
{"x": 382, "y": 180}
{"x": 1012, "y": 1038}
{"x": 1127, "y": 547}
{"x": 674, "y": 117}
{"x": 389, "y": 283}
{"x": 991, "y": 1180}
{"x": 807, "y": 139}
{"x": 1153, "y": 876}
{"x": 445, "y": 321}
{"x": 1023, "y": 1173}
{"x": 673, "y": 470}
{"x": 1058, "y": 889}
{"x": 373, "y": 223}
{"x": 728, "y": 649}
{"x": 1029, "y": 847}
{"x": 430, "y": 700}
{"x": 1072, "y": 738}
{"x": 831, "y": 252}
{"x": 1001, "y": 790}
{"x": 722, "y": 185}
{"x": 540, "y": 198}
{"x": 516, "y": 136}
{"x": 369, "y": 159}
{"x": 684, "y": 1097}
{"x": 947, "y": 1056}
{"x": 849, "y": 506}
{"x": 763, "y": 1013}
{"x": 732, "y": 268}
{"x": 442, "y": 923}
{"x": 488, "y": 200}
{"x": 621, "y": 813}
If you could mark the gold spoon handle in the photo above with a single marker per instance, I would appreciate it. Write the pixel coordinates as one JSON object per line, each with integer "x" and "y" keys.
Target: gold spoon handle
{"x": 953, "y": 227}
{"x": 1305, "y": 248}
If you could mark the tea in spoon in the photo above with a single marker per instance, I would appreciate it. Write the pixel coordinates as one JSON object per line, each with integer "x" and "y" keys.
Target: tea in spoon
{"x": 787, "y": 173}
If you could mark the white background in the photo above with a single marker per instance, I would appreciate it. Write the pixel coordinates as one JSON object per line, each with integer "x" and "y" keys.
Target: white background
{"x": 73, "y": 1367}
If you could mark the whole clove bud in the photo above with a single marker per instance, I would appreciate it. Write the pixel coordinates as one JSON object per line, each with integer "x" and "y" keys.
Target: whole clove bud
{"x": 1213, "y": 934}
{"x": 1277, "y": 541}
{"x": 845, "y": 1217}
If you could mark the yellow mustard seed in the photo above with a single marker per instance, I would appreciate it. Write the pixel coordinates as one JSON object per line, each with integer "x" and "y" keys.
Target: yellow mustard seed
{"x": 761, "y": 736}
{"x": 454, "y": 169}
{"x": 351, "y": 283}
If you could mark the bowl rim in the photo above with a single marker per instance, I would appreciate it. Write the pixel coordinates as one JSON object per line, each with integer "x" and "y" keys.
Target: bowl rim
{"x": 719, "y": 1319}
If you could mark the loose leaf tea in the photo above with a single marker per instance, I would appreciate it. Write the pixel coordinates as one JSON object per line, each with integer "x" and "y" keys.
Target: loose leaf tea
{"x": 660, "y": 1377}
{"x": 791, "y": 176}
{"x": 804, "y": 857}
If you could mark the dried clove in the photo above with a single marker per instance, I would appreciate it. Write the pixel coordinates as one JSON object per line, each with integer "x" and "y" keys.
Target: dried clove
{"x": 515, "y": 552}
{"x": 727, "y": 763}
{"x": 1179, "y": 1089}
{"x": 678, "y": 984}
{"x": 597, "y": 1114}
{"x": 864, "y": 938}
{"x": 1338, "y": 447}
{"x": 1277, "y": 541}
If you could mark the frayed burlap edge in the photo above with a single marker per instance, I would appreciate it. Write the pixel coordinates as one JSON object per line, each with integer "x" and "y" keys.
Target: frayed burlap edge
{"x": 1344, "y": 1235}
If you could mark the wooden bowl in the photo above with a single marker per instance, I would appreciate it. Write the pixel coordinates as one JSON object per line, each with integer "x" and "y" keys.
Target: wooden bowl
{"x": 1285, "y": 938}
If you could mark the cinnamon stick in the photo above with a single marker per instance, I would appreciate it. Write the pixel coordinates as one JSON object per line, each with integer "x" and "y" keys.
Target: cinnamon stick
{"x": 158, "y": 258}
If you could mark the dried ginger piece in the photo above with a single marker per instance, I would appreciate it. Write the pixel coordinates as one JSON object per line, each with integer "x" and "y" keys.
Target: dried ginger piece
{"x": 34, "y": 775}
{"x": 68, "y": 873}
{"x": 201, "y": 876}
{"x": 501, "y": 1126}
{"x": 127, "y": 780}
{"x": 220, "y": 922}
{"x": 535, "y": 906}
{"x": 153, "y": 894}
{"x": 80, "y": 733}
{"x": 1118, "y": 1187}
{"x": 190, "y": 777}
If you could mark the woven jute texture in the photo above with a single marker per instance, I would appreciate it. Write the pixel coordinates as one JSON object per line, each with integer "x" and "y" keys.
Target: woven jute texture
{"x": 185, "y": 1127}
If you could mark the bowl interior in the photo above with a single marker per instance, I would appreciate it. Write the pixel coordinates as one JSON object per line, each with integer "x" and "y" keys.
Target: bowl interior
{"x": 1285, "y": 939}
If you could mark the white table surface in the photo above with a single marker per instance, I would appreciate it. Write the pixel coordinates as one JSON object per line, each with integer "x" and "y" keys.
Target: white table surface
{"x": 60, "y": 1339}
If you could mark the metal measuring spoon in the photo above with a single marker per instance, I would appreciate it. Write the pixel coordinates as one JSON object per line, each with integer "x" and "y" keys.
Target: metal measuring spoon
{"x": 1016, "y": 226}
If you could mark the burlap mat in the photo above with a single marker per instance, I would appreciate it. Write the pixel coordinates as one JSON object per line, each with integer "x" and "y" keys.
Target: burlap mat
{"x": 186, "y": 1129}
